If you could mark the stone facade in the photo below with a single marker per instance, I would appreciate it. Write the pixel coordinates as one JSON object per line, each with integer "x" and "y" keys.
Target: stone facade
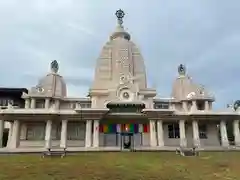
{"x": 51, "y": 119}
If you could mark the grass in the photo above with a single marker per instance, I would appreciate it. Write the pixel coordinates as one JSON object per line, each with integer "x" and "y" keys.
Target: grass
{"x": 118, "y": 166}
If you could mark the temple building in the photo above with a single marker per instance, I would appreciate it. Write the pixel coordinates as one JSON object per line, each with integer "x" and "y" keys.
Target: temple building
{"x": 121, "y": 111}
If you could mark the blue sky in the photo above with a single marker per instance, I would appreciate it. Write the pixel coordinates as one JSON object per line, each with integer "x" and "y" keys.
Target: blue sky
{"x": 202, "y": 34}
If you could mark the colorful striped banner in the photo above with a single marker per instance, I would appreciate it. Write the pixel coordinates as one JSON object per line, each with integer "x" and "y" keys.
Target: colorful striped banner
{"x": 108, "y": 128}
{"x": 133, "y": 128}
{"x": 146, "y": 128}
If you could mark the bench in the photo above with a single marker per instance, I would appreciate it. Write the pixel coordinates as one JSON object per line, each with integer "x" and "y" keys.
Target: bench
{"x": 187, "y": 151}
{"x": 54, "y": 153}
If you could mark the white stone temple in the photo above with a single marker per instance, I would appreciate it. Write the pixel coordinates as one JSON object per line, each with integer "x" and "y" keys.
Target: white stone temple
{"x": 121, "y": 111}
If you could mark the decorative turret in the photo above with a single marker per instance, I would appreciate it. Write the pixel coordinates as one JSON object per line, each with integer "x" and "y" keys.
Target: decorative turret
{"x": 52, "y": 85}
{"x": 120, "y": 71}
{"x": 192, "y": 96}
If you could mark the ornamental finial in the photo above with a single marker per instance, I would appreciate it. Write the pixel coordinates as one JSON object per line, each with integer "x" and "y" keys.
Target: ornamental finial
{"x": 54, "y": 66}
{"x": 236, "y": 105}
{"x": 120, "y": 15}
{"x": 181, "y": 70}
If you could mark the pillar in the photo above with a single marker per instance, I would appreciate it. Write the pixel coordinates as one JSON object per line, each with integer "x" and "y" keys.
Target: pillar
{"x": 196, "y": 140}
{"x": 153, "y": 140}
{"x": 10, "y": 134}
{"x": 236, "y": 132}
{"x": 194, "y": 106}
{"x": 183, "y": 141}
{"x": 223, "y": 132}
{"x": 63, "y": 141}
{"x": 33, "y": 103}
{"x": 1, "y": 132}
{"x": 96, "y": 133}
{"x": 57, "y": 104}
{"x": 88, "y": 135}
{"x": 207, "y": 107}
{"x": 160, "y": 133}
{"x": 48, "y": 131}
{"x": 47, "y": 103}
{"x": 184, "y": 106}
{"x": 27, "y": 103}
{"x": 15, "y": 134}
{"x": 210, "y": 105}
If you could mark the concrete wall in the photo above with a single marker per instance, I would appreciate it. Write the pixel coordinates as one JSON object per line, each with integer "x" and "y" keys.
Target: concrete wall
{"x": 212, "y": 136}
{"x": 115, "y": 140}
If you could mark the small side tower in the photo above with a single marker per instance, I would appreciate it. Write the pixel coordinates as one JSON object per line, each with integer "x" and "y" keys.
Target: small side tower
{"x": 188, "y": 96}
{"x": 49, "y": 90}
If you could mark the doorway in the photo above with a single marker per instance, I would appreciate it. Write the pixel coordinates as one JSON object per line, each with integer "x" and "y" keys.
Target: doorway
{"x": 127, "y": 141}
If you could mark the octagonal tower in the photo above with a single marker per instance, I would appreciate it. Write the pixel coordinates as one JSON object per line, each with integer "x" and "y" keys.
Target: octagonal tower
{"x": 120, "y": 71}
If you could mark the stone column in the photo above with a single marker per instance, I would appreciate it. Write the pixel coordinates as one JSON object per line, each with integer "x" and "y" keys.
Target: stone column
{"x": 57, "y": 104}
{"x": 207, "y": 107}
{"x": 153, "y": 139}
{"x": 63, "y": 141}
{"x": 48, "y": 132}
{"x": 196, "y": 140}
{"x": 1, "y": 132}
{"x": 15, "y": 134}
{"x": 172, "y": 106}
{"x": 223, "y": 131}
{"x": 88, "y": 136}
{"x": 33, "y": 103}
{"x": 94, "y": 102}
{"x": 27, "y": 103}
{"x": 183, "y": 141}
{"x": 10, "y": 134}
{"x": 47, "y": 103}
{"x": 160, "y": 136}
{"x": 96, "y": 133}
{"x": 210, "y": 105}
{"x": 236, "y": 132}
{"x": 184, "y": 106}
{"x": 194, "y": 106}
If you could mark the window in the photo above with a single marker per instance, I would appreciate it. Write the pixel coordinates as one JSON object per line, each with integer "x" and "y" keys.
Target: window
{"x": 173, "y": 131}
{"x": 161, "y": 106}
{"x": 200, "y": 105}
{"x": 76, "y": 131}
{"x": 202, "y": 131}
{"x": 36, "y": 132}
{"x": 40, "y": 103}
{"x": 3, "y": 102}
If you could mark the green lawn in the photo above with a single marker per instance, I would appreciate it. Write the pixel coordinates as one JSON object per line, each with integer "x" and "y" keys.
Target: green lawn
{"x": 126, "y": 166}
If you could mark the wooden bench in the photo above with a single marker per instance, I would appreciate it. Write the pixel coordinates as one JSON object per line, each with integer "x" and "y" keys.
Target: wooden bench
{"x": 54, "y": 153}
{"x": 187, "y": 151}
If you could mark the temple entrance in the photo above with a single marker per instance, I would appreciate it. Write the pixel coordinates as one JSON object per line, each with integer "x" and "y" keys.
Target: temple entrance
{"x": 127, "y": 141}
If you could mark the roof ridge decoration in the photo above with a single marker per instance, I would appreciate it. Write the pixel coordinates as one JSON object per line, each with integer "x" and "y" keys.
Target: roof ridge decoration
{"x": 182, "y": 70}
{"x": 236, "y": 105}
{"x": 54, "y": 66}
{"x": 119, "y": 31}
{"x": 120, "y": 15}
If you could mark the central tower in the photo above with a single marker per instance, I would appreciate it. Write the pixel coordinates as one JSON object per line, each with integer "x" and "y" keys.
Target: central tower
{"x": 120, "y": 72}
